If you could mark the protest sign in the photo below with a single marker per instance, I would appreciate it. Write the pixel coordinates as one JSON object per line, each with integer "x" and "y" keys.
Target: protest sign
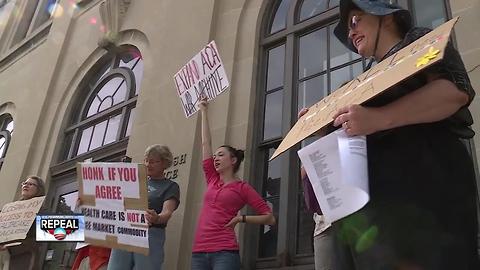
{"x": 16, "y": 219}
{"x": 203, "y": 75}
{"x": 114, "y": 200}
{"x": 420, "y": 54}
{"x": 336, "y": 166}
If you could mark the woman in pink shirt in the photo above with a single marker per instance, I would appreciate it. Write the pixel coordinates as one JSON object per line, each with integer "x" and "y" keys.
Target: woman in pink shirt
{"x": 215, "y": 246}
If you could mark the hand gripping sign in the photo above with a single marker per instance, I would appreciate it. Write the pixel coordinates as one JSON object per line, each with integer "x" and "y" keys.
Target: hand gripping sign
{"x": 421, "y": 54}
{"x": 16, "y": 219}
{"x": 114, "y": 201}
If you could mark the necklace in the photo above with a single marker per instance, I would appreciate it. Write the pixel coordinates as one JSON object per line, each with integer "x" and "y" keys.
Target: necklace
{"x": 392, "y": 49}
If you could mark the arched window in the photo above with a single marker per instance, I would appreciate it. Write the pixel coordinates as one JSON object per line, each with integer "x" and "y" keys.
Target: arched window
{"x": 302, "y": 62}
{"x": 6, "y": 131}
{"x": 99, "y": 127}
{"x": 105, "y": 116}
{"x": 311, "y": 8}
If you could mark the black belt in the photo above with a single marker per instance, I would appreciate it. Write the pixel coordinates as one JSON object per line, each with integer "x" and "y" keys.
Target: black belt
{"x": 227, "y": 251}
{"x": 161, "y": 226}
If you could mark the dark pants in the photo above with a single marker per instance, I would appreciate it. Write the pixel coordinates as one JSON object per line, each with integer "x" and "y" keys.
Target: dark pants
{"x": 402, "y": 237}
{"x": 422, "y": 212}
{"x": 221, "y": 260}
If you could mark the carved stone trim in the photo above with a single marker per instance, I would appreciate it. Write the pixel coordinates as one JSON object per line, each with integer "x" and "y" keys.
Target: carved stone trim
{"x": 123, "y": 7}
{"x": 112, "y": 13}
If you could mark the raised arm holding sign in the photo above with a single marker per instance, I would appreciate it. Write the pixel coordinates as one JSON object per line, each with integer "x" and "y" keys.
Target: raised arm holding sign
{"x": 226, "y": 194}
{"x": 203, "y": 76}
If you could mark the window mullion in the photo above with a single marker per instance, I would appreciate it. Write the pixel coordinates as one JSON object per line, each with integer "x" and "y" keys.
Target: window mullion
{"x": 411, "y": 8}
{"x": 74, "y": 144}
{"x": 404, "y": 3}
{"x": 40, "y": 6}
{"x": 102, "y": 115}
{"x": 286, "y": 209}
{"x": 91, "y": 137}
{"x": 291, "y": 14}
{"x": 106, "y": 130}
{"x": 122, "y": 127}
{"x": 251, "y": 236}
{"x": 329, "y": 71}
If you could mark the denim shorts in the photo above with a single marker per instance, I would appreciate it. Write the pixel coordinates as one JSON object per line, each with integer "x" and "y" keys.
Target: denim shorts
{"x": 220, "y": 260}
{"x": 125, "y": 260}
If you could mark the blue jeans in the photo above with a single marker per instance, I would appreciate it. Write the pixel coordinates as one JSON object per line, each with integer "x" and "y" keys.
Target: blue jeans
{"x": 126, "y": 260}
{"x": 221, "y": 260}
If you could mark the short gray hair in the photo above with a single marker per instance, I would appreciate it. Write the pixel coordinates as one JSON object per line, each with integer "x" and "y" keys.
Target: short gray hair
{"x": 160, "y": 151}
{"x": 40, "y": 186}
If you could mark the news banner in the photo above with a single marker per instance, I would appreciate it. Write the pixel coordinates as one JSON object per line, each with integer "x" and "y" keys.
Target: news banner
{"x": 65, "y": 228}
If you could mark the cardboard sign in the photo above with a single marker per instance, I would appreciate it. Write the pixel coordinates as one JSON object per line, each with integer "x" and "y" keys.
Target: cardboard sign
{"x": 16, "y": 219}
{"x": 114, "y": 201}
{"x": 203, "y": 75}
{"x": 420, "y": 54}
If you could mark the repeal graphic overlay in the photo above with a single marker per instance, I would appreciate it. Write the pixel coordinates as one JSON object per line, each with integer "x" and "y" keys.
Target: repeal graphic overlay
{"x": 114, "y": 200}
{"x": 66, "y": 228}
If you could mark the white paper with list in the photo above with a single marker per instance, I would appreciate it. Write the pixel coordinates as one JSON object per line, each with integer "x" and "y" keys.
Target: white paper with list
{"x": 337, "y": 168}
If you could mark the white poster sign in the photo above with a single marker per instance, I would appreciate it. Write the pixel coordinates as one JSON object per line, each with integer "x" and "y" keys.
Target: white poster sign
{"x": 16, "y": 219}
{"x": 114, "y": 202}
{"x": 203, "y": 75}
{"x": 337, "y": 168}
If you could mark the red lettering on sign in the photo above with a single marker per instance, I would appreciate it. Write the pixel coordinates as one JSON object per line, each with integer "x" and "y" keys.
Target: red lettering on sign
{"x": 133, "y": 217}
{"x": 92, "y": 173}
{"x": 108, "y": 192}
{"x": 127, "y": 174}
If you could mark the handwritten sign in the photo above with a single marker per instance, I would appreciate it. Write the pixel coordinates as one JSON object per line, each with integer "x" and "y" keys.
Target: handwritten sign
{"x": 203, "y": 75}
{"x": 114, "y": 197}
{"x": 17, "y": 217}
{"x": 422, "y": 53}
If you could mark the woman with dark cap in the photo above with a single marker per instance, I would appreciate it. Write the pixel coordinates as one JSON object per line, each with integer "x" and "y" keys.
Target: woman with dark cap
{"x": 422, "y": 210}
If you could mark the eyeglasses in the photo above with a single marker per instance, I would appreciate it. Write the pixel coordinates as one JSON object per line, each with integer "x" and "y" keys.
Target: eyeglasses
{"x": 353, "y": 23}
{"x": 151, "y": 161}
{"x": 29, "y": 184}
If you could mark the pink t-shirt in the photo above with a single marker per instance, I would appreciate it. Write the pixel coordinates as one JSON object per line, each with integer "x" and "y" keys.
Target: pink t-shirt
{"x": 221, "y": 203}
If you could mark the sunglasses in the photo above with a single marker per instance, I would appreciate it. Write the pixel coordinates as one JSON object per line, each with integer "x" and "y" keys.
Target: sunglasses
{"x": 353, "y": 23}
{"x": 28, "y": 184}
